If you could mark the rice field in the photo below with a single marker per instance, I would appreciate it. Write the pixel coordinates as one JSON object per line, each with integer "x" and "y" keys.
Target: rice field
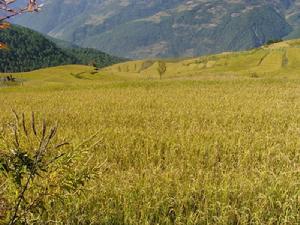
{"x": 204, "y": 149}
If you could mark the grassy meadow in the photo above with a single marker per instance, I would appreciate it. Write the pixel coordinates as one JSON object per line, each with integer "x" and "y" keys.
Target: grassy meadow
{"x": 200, "y": 147}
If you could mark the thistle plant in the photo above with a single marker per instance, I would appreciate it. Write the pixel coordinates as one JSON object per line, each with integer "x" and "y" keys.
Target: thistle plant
{"x": 36, "y": 171}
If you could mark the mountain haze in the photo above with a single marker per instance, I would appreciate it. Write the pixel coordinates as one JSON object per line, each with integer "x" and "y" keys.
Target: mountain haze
{"x": 167, "y": 28}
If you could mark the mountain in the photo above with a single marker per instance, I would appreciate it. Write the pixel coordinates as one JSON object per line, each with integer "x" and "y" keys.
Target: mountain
{"x": 29, "y": 50}
{"x": 167, "y": 28}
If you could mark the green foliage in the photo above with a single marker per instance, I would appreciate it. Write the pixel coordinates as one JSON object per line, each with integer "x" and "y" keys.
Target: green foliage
{"x": 92, "y": 57}
{"x": 269, "y": 42}
{"x": 29, "y": 50}
{"x": 9, "y": 80}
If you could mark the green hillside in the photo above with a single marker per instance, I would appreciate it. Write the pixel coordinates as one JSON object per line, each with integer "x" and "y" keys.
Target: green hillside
{"x": 279, "y": 59}
{"x": 29, "y": 50}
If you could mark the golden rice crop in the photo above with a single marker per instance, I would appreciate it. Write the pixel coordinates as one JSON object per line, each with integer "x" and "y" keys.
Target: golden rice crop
{"x": 207, "y": 151}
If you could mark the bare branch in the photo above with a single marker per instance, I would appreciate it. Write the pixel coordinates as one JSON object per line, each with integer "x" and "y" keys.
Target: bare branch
{"x": 7, "y": 11}
{"x": 5, "y": 6}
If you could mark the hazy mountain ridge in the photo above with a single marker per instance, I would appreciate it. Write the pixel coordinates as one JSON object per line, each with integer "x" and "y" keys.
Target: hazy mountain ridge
{"x": 165, "y": 28}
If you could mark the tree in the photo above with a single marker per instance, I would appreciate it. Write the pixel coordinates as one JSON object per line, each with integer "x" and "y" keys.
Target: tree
{"x": 162, "y": 68}
{"x": 8, "y": 11}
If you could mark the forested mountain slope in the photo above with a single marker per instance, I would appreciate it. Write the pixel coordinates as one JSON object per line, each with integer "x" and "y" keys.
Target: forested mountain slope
{"x": 29, "y": 50}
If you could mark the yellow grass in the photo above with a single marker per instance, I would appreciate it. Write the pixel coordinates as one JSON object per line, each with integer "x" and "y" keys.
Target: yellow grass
{"x": 216, "y": 148}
